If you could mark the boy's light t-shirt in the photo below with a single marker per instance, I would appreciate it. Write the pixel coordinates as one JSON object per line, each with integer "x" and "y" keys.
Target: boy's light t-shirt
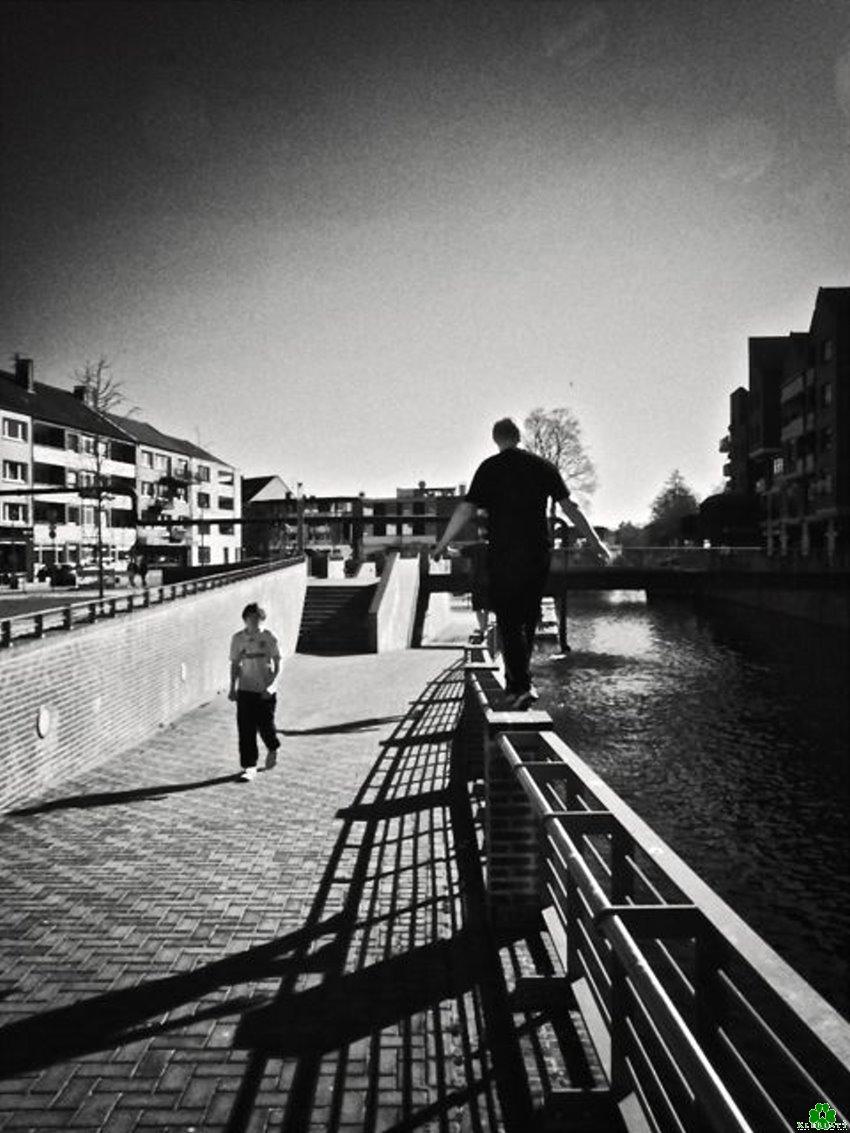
{"x": 254, "y": 652}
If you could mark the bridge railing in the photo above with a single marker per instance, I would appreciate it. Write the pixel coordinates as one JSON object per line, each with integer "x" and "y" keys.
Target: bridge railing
{"x": 693, "y": 1014}
{"x": 36, "y": 624}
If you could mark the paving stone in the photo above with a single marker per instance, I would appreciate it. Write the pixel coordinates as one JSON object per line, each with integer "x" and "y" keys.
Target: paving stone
{"x": 175, "y": 930}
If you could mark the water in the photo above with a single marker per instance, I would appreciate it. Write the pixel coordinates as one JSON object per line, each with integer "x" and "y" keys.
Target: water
{"x": 726, "y": 730}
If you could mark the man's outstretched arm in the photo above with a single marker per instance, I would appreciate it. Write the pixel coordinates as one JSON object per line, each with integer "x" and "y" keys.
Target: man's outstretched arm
{"x": 582, "y": 524}
{"x": 461, "y": 515}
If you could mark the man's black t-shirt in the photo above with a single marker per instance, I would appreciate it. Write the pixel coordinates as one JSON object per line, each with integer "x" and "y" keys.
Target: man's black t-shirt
{"x": 515, "y": 486}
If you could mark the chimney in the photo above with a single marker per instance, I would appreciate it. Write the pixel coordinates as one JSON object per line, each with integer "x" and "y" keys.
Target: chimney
{"x": 24, "y": 373}
{"x": 84, "y": 394}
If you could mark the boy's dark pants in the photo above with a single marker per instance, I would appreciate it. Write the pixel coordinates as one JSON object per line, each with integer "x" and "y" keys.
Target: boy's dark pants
{"x": 517, "y": 582}
{"x": 255, "y": 713}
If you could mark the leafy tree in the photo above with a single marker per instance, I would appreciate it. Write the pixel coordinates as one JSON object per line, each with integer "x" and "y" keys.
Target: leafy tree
{"x": 556, "y": 435}
{"x": 669, "y": 508}
{"x": 630, "y": 535}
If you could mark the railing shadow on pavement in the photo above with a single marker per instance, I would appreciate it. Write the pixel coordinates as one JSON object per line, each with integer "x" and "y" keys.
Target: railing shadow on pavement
{"x": 396, "y": 1006}
{"x": 400, "y": 1015}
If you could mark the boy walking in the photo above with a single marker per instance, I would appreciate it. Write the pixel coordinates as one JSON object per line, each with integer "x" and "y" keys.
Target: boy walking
{"x": 254, "y": 667}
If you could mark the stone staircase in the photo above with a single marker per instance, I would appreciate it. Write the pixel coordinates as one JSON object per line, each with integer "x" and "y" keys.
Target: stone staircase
{"x": 336, "y": 618}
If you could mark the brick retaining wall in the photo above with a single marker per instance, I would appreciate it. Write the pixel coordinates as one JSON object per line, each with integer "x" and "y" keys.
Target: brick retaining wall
{"x": 97, "y": 690}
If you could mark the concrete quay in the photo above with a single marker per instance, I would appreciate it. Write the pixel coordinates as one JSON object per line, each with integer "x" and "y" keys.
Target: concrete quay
{"x": 183, "y": 951}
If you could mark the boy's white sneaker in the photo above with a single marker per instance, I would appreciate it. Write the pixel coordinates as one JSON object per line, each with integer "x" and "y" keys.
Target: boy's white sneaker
{"x": 248, "y": 773}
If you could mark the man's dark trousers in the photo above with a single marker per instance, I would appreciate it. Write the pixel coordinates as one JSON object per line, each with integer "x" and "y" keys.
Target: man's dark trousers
{"x": 255, "y": 713}
{"x": 517, "y": 582}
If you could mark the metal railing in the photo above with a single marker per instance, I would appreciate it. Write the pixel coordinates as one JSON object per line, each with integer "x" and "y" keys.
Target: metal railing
{"x": 690, "y": 1010}
{"x": 34, "y": 625}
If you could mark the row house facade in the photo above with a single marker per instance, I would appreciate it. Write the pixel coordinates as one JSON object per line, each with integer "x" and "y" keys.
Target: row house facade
{"x": 55, "y": 448}
{"x": 788, "y": 444}
{"x": 278, "y": 521}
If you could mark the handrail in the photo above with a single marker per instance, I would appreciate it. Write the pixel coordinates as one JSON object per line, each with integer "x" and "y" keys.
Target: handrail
{"x": 671, "y": 965}
{"x": 90, "y": 610}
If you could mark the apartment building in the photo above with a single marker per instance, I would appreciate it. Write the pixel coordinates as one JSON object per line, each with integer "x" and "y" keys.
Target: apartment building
{"x": 278, "y": 518}
{"x": 54, "y": 440}
{"x": 788, "y": 442}
{"x": 178, "y": 480}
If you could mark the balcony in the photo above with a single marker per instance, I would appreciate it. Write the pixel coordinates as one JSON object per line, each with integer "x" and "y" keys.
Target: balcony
{"x": 793, "y": 429}
{"x": 791, "y": 389}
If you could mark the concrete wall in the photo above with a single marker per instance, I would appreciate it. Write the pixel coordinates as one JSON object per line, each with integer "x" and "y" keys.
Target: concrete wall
{"x": 393, "y": 611}
{"x": 822, "y": 607}
{"x": 98, "y": 690}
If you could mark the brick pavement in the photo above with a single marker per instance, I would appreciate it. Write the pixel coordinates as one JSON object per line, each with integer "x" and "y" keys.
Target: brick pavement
{"x": 307, "y": 952}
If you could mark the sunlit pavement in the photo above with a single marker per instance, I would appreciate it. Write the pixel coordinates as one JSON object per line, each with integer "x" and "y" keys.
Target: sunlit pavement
{"x": 182, "y": 950}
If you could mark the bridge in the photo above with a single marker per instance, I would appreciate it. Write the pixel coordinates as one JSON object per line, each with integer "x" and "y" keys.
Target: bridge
{"x": 431, "y": 915}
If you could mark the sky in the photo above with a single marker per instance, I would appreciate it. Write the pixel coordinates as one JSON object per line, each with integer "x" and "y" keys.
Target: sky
{"x": 336, "y": 242}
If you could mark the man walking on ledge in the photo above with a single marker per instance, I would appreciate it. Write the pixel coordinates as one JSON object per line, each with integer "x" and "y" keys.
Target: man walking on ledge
{"x": 514, "y": 487}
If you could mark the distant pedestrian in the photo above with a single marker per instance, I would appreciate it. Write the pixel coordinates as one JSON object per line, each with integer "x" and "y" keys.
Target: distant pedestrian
{"x": 254, "y": 668}
{"x": 514, "y": 487}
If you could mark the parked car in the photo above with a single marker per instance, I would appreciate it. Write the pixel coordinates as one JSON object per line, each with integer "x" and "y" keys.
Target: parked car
{"x": 61, "y": 574}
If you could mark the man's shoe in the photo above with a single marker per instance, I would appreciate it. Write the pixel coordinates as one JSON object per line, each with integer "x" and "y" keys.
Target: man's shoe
{"x": 522, "y": 701}
{"x": 248, "y": 773}
{"x": 271, "y": 758}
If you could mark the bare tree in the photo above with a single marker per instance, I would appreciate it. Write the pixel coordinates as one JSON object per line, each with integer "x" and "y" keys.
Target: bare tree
{"x": 556, "y": 435}
{"x": 104, "y": 395}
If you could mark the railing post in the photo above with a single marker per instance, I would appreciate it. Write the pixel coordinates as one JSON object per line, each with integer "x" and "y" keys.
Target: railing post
{"x": 38, "y": 625}
{"x": 5, "y": 633}
{"x": 709, "y": 994}
{"x": 92, "y": 612}
{"x": 67, "y": 617}
{"x": 113, "y": 607}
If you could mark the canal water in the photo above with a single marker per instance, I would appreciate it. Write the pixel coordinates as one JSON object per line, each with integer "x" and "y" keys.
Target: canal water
{"x": 727, "y": 730}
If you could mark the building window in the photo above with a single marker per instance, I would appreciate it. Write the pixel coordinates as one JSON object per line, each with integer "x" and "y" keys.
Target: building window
{"x": 204, "y": 473}
{"x": 15, "y": 430}
{"x": 73, "y": 514}
{"x": 148, "y": 489}
{"x": 88, "y": 516}
{"x": 85, "y": 479}
{"x": 204, "y": 556}
{"x": 15, "y": 513}
{"x": 778, "y": 465}
{"x": 225, "y": 503}
{"x": 825, "y": 439}
{"x": 72, "y": 441}
{"x": 826, "y": 394}
{"x": 203, "y": 499}
{"x": 71, "y": 477}
{"x": 44, "y": 512}
{"x": 225, "y": 476}
{"x": 147, "y": 458}
{"x": 87, "y": 445}
{"x": 828, "y": 350}
{"x": 15, "y": 471}
{"x": 181, "y": 468}
{"x": 162, "y": 463}
{"x": 225, "y": 529}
